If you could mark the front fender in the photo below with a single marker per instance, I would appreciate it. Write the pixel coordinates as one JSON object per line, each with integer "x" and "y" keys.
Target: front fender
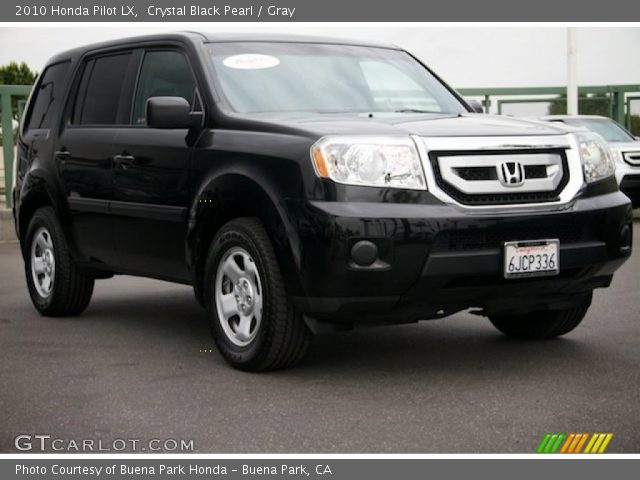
{"x": 222, "y": 197}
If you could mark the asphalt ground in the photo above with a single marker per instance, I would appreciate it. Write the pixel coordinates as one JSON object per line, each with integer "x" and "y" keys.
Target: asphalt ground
{"x": 139, "y": 364}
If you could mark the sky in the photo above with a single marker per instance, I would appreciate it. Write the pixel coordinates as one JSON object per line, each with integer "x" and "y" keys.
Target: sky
{"x": 464, "y": 56}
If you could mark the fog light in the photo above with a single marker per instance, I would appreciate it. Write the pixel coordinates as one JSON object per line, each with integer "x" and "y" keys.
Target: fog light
{"x": 625, "y": 237}
{"x": 364, "y": 253}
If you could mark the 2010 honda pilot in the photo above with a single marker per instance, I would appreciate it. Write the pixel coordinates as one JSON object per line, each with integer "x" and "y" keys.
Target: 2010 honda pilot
{"x": 304, "y": 186}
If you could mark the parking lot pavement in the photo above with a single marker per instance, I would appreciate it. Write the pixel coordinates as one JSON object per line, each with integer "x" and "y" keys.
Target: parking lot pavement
{"x": 135, "y": 366}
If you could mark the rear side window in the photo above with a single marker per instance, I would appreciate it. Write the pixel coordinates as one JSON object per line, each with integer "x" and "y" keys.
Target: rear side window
{"x": 100, "y": 90}
{"x": 48, "y": 98}
{"x": 164, "y": 74}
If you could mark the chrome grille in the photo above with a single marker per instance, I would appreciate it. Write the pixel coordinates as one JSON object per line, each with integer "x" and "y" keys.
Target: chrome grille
{"x": 632, "y": 158}
{"x": 490, "y": 173}
{"x": 565, "y": 146}
{"x": 501, "y": 177}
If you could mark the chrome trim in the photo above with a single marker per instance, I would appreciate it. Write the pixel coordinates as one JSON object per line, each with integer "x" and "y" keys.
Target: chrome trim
{"x": 450, "y": 164}
{"x": 498, "y": 143}
{"x": 632, "y": 158}
{"x": 567, "y": 142}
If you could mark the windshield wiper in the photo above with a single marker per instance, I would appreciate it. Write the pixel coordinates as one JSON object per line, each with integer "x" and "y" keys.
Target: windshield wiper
{"x": 414, "y": 110}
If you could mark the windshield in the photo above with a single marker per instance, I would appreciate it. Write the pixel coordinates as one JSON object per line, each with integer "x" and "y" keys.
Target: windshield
{"x": 607, "y": 129}
{"x": 322, "y": 78}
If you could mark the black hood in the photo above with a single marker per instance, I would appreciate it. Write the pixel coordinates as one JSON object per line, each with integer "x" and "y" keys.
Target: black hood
{"x": 428, "y": 125}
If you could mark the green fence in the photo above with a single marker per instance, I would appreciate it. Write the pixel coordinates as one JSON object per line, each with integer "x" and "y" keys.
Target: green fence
{"x": 619, "y": 100}
{"x": 9, "y": 93}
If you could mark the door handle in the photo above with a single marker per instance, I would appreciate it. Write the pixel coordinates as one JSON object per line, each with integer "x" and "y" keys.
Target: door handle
{"x": 123, "y": 161}
{"x": 62, "y": 156}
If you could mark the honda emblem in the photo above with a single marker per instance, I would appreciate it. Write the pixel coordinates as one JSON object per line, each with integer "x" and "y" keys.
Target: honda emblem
{"x": 510, "y": 174}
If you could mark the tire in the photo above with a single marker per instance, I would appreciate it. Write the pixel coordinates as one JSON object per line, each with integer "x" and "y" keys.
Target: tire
{"x": 56, "y": 286}
{"x": 253, "y": 323}
{"x": 541, "y": 325}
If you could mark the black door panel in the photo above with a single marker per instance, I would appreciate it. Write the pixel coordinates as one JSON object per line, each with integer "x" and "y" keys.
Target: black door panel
{"x": 151, "y": 195}
{"x": 85, "y": 148}
{"x": 151, "y": 166}
{"x": 151, "y": 175}
{"x": 84, "y": 158}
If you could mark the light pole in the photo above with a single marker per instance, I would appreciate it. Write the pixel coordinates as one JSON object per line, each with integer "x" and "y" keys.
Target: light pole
{"x": 572, "y": 71}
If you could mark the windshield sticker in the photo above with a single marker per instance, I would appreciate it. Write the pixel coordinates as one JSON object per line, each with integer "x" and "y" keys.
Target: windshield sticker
{"x": 250, "y": 61}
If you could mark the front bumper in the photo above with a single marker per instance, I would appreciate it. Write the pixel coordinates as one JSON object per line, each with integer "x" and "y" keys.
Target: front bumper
{"x": 630, "y": 186}
{"x": 628, "y": 178}
{"x": 437, "y": 259}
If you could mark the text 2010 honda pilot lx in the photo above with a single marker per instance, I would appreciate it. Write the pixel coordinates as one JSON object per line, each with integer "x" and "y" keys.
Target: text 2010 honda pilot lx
{"x": 306, "y": 185}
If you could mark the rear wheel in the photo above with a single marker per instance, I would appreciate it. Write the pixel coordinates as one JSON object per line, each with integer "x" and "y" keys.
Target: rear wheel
{"x": 253, "y": 323}
{"x": 56, "y": 286}
{"x": 542, "y": 324}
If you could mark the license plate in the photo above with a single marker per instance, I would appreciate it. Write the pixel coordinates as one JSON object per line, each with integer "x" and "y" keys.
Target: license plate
{"x": 531, "y": 258}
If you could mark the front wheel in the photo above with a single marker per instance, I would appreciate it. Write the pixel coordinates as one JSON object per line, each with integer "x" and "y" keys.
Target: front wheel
{"x": 543, "y": 324}
{"x": 253, "y": 323}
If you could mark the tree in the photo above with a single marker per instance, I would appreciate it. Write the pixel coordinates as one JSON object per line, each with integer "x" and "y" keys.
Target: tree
{"x": 15, "y": 73}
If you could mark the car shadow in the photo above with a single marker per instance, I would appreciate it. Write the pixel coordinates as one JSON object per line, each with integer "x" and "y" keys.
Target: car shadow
{"x": 460, "y": 343}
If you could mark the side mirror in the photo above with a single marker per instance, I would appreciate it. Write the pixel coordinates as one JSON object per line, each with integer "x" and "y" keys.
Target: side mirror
{"x": 170, "y": 113}
{"x": 476, "y": 106}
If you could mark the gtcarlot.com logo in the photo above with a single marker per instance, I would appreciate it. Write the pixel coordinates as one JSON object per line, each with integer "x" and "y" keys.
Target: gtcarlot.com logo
{"x": 574, "y": 443}
{"x": 44, "y": 443}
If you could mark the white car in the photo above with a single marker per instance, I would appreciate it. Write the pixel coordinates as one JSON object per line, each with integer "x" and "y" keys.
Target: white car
{"x": 625, "y": 146}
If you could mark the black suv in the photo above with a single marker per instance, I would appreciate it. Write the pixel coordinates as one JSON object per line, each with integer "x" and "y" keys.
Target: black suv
{"x": 306, "y": 186}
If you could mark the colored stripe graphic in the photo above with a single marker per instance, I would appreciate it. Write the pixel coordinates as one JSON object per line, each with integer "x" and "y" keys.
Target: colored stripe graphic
{"x": 543, "y": 443}
{"x": 581, "y": 443}
{"x": 558, "y": 442}
{"x": 605, "y": 443}
{"x": 551, "y": 443}
{"x": 567, "y": 442}
{"x": 552, "y": 440}
{"x": 574, "y": 443}
{"x": 577, "y": 438}
{"x": 594, "y": 437}
{"x": 598, "y": 443}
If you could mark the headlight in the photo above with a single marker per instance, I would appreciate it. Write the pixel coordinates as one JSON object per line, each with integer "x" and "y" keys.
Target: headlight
{"x": 597, "y": 159}
{"x": 370, "y": 161}
{"x": 617, "y": 156}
